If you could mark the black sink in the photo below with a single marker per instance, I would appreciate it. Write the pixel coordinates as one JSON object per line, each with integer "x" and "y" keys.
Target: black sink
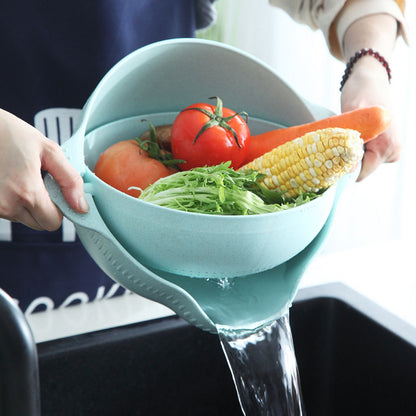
{"x": 354, "y": 359}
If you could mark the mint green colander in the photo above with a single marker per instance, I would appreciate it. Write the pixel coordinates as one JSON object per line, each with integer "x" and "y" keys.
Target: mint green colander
{"x": 231, "y": 270}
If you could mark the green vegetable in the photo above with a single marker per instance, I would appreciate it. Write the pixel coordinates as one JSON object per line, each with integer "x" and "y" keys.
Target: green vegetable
{"x": 218, "y": 190}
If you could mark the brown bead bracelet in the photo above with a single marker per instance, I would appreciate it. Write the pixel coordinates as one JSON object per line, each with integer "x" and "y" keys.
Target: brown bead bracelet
{"x": 353, "y": 60}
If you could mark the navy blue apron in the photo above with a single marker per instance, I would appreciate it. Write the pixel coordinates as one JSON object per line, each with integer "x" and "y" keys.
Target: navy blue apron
{"x": 53, "y": 55}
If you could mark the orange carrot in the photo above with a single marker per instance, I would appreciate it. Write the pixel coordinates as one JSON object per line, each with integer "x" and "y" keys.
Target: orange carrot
{"x": 369, "y": 121}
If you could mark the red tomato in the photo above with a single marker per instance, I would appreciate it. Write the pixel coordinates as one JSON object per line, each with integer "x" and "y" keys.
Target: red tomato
{"x": 216, "y": 144}
{"x": 125, "y": 164}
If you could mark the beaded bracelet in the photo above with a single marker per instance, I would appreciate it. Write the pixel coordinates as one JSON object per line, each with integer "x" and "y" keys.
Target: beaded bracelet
{"x": 359, "y": 55}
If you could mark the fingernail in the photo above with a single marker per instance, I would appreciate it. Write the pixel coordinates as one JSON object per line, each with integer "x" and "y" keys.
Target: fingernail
{"x": 83, "y": 204}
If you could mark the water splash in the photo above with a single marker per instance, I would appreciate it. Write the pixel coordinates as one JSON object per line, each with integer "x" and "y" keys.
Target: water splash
{"x": 264, "y": 369}
{"x": 224, "y": 283}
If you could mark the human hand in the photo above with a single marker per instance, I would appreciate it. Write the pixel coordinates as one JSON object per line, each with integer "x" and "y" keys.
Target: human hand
{"x": 368, "y": 85}
{"x": 24, "y": 152}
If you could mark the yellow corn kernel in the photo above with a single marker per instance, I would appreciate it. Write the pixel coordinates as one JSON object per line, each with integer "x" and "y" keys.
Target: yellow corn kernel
{"x": 311, "y": 162}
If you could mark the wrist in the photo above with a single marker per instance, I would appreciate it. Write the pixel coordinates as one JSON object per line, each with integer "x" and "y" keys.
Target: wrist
{"x": 366, "y": 63}
{"x": 368, "y": 67}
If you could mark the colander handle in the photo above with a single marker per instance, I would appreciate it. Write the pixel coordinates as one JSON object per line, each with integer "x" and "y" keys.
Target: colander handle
{"x": 91, "y": 220}
{"x": 73, "y": 150}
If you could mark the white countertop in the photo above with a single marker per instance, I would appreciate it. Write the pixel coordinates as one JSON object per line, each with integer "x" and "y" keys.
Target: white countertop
{"x": 383, "y": 274}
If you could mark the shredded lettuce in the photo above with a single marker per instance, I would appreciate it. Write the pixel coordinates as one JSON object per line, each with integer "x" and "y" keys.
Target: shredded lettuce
{"x": 218, "y": 190}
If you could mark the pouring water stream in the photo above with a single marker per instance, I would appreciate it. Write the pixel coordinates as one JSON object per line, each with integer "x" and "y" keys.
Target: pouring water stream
{"x": 264, "y": 369}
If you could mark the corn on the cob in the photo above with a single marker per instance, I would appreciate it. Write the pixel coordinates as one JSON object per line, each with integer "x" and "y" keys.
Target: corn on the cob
{"x": 311, "y": 162}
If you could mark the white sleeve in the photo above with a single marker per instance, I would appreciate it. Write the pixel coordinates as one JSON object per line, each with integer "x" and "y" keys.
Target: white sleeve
{"x": 320, "y": 14}
{"x": 317, "y": 14}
